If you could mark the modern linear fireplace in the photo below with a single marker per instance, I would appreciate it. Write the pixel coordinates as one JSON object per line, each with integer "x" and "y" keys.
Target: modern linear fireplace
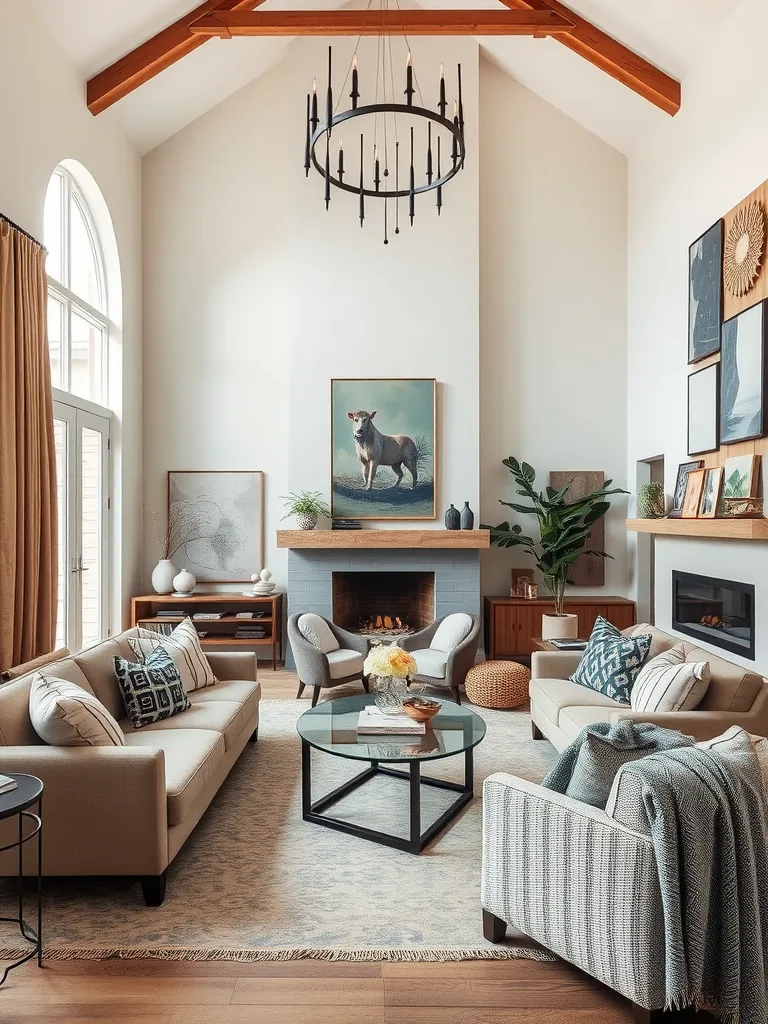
{"x": 383, "y": 603}
{"x": 719, "y": 612}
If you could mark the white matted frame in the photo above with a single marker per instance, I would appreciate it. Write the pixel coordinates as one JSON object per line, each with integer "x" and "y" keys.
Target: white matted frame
{"x": 703, "y": 410}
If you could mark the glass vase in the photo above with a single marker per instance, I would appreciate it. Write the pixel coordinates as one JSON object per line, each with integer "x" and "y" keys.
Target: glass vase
{"x": 388, "y": 692}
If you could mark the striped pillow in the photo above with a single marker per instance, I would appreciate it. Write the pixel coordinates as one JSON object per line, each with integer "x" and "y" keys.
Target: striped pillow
{"x": 670, "y": 683}
{"x": 63, "y": 714}
{"x": 183, "y": 645}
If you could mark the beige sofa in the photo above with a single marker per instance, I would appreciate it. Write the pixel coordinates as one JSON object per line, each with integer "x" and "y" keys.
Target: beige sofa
{"x": 560, "y": 709}
{"x": 128, "y": 810}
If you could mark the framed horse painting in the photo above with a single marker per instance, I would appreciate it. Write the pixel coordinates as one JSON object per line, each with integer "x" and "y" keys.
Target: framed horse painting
{"x": 383, "y": 448}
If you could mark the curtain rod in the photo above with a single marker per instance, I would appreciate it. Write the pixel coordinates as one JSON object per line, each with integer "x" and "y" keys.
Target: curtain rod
{"x": 17, "y": 227}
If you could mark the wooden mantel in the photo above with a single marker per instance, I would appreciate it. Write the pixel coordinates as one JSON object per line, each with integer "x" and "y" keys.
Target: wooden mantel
{"x": 340, "y": 539}
{"x": 725, "y": 529}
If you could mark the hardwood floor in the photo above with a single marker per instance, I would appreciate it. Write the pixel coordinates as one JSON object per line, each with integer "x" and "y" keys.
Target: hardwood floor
{"x": 307, "y": 991}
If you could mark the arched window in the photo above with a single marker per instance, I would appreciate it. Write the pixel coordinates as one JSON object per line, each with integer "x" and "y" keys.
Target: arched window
{"x": 78, "y": 320}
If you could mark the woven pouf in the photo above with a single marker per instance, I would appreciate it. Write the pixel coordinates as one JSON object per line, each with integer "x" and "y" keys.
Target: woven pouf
{"x": 498, "y": 684}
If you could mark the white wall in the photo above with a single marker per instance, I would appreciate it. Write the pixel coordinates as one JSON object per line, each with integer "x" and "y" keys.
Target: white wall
{"x": 44, "y": 120}
{"x": 552, "y": 309}
{"x": 694, "y": 169}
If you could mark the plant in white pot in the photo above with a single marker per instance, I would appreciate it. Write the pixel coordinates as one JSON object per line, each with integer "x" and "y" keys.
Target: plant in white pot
{"x": 307, "y": 507}
{"x": 564, "y": 530}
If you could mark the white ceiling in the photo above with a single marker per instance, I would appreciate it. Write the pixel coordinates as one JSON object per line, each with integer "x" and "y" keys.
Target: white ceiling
{"x": 670, "y": 33}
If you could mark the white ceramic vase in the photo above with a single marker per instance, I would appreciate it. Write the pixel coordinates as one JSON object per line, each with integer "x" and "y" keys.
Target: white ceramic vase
{"x": 184, "y": 582}
{"x": 162, "y": 576}
{"x": 559, "y": 627}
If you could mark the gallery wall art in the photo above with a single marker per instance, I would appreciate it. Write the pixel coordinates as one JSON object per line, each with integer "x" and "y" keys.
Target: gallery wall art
{"x": 220, "y": 536}
{"x": 705, "y": 293}
{"x": 384, "y": 448}
{"x": 742, "y": 362}
{"x": 703, "y": 395}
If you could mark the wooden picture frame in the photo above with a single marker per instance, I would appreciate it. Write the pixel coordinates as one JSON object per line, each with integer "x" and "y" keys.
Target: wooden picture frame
{"x": 703, "y": 410}
{"x": 693, "y": 488}
{"x": 748, "y": 468}
{"x": 705, "y": 293}
{"x": 406, "y": 413}
{"x": 709, "y": 506}
{"x": 743, "y": 376}
{"x": 222, "y": 512}
{"x": 678, "y": 497}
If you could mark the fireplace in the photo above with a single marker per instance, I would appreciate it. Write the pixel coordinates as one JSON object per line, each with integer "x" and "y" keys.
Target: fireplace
{"x": 386, "y": 604}
{"x": 720, "y": 612}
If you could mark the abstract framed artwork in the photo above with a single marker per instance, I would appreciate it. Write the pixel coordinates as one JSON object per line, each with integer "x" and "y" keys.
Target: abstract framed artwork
{"x": 710, "y": 492}
{"x": 219, "y": 523}
{"x": 703, "y": 403}
{"x": 384, "y": 448}
{"x": 678, "y": 498}
{"x": 742, "y": 361}
{"x": 694, "y": 486}
{"x": 705, "y": 293}
{"x": 742, "y": 473}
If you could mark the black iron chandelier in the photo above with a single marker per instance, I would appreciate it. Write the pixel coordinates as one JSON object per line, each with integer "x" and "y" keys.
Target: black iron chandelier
{"x": 395, "y": 147}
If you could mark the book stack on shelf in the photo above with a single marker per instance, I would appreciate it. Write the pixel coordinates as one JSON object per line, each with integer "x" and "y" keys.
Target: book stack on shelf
{"x": 346, "y": 524}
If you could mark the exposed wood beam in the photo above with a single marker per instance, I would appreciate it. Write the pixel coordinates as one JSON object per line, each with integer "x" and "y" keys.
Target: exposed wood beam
{"x": 154, "y": 56}
{"x": 610, "y": 56}
{"x": 226, "y": 24}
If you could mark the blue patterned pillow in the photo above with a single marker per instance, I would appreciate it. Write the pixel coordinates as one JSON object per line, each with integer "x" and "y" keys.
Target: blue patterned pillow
{"x": 611, "y": 662}
{"x": 152, "y": 691}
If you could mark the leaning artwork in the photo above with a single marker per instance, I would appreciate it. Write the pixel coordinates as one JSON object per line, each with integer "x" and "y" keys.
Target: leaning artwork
{"x": 383, "y": 448}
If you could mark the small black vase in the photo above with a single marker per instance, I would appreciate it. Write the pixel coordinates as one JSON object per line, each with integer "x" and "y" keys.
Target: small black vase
{"x": 467, "y": 517}
{"x": 452, "y": 519}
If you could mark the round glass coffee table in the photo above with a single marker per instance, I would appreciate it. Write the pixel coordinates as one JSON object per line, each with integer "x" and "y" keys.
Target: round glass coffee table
{"x": 332, "y": 728}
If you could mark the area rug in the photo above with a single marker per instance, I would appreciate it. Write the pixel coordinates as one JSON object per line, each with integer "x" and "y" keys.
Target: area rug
{"x": 256, "y": 882}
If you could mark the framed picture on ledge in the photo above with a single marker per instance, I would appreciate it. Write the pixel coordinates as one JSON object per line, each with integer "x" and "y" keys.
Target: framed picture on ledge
{"x": 678, "y": 498}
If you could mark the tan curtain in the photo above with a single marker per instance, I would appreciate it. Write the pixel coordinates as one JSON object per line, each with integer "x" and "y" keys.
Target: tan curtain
{"x": 28, "y": 537}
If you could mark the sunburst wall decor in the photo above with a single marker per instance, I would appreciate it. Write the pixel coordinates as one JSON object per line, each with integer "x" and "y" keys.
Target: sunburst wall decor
{"x": 744, "y": 244}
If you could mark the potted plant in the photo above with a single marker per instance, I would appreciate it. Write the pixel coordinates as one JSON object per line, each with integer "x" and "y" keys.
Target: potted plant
{"x": 564, "y": 529}
{"x": 306, "y": 506}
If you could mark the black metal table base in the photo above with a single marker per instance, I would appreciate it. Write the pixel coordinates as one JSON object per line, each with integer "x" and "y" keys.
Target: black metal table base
{"x": 32, "y": 935}
{"x": 417, "y": 839}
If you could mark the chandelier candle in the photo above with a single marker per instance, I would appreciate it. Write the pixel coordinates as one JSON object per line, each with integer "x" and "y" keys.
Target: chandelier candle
{"x": 355, "y": 94}
{"x": 409, "y": 81}
{"x": 340, "y": 171}
{"x": 442, "y": 105}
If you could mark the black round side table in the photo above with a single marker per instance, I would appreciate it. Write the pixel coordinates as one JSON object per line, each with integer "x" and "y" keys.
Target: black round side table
{"x": 29, "y": 791}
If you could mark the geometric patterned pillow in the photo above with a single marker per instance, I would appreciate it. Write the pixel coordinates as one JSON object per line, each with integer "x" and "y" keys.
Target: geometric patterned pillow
{"x": 152, "y": 691}
{"x": 183, "y": 645}
{"x": 611, "y": 662}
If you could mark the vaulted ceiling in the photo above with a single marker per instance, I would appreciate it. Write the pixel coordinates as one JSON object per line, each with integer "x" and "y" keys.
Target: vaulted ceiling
{"x": 95, "y": 33}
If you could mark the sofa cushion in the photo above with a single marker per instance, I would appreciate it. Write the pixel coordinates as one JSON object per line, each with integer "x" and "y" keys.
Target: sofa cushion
{"x": 451, "y": 632}
{"x": 669, "y": 683}
{"x": 243, "y": 691}
{"x": 573, "y": 719}
{"x": 227, "y": 717}
{"x": 183, "y": 645}
{"x": 731, "y": 687}
{"x": 192, "y": 758}
{"x": 317, "y": 632}
{"x": 431, "y": 663}
{"x": 98, "y": 665}
{"x": 152, "y": 691}
{"x": 552, "y": 695}
{"x": 344, "y": 663}
{"x": 16, "y": 727}
{"x": 611, "y": 661}
{"x": 64, "y": 714}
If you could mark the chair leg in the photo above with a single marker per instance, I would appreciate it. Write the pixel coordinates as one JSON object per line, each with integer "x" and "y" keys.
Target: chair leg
{"x": 494, "y": 928}
{"x": 315, "y": 694}
{"x": 153, "y": 888}
{"x": 301, "y": 690}
{"x": 536, "y": 732}
{"x": 254, "y": 737}
{"x": 457, "y": 694}
{"x": 642, "y": 1016}
{"x": 366, "y": 685}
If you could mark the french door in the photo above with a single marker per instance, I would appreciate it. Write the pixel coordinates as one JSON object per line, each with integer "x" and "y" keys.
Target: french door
{"x": 83, "y": 481}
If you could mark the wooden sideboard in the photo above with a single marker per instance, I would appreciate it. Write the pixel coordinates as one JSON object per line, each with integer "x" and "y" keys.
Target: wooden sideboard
{"x": 511, "y": 623}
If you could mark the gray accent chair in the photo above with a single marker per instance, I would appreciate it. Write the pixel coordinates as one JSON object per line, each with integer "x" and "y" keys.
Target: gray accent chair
{"x": 323, "y": 669}
{"x": 439, "y": 667}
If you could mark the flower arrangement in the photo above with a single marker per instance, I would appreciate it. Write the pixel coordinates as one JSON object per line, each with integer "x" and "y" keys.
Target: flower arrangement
{"x": 389, "y": 660}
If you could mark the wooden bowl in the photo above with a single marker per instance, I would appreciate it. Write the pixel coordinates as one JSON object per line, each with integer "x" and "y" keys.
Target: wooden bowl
{"x": 421, "y": 709}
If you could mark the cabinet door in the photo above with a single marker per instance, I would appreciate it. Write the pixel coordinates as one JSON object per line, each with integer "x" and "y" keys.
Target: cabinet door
{"x": 587, "y": 614}
{"x": 504, "y": 631}
{"x": 529, "y": 624}
{"x": 621, "y": 615}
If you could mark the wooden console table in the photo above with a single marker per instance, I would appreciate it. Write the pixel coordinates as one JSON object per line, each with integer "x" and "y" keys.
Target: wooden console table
{"x": 512, "y": 623}
{"x": 219, "y": 632}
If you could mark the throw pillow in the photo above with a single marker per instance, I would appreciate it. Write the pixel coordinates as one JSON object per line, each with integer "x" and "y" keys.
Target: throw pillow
{"x": 451, "y": 632}
{"x": 669, "y": 683}
{"x": 611, "y": 661}
{"x": 63, "y": 714}
{"x": 600, "y": 757}
{"x": 152, "y": 691}
{"x": 316, "y": 631}
{"x": 183, "y": 645}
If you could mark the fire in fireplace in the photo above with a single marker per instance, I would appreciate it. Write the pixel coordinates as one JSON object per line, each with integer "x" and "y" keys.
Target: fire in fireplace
{"x": 383, "y": 604}
{"x": 720, "y": 612}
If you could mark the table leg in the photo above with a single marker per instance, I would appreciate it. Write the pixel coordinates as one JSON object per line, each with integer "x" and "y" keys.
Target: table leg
{"x": 21, "y": 874}
{"x": 469, "y": 770}
{"x": 415, "y": 788}
{"x": 40, "y": 884}
{"x": 306, "y": 778}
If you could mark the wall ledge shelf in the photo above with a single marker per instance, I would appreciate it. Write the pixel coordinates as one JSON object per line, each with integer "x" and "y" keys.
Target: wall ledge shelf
{"x": 724, "y": 529}
{"x": 354, "y": 539}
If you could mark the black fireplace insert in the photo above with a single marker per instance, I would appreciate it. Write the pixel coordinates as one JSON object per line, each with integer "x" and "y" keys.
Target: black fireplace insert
{"x": 719, "y": 612}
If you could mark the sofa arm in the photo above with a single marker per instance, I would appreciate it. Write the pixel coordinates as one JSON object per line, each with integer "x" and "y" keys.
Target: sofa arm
{"x": 104, "y": 810}
{"x": 233, "y": 665}
{"x": 702, "y": 725}
{"x": 554, "y": 664}
{"x": 577, "y": 882}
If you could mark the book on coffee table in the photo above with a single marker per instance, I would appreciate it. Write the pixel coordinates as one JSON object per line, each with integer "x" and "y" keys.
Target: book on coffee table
{"x": 373, "y": 722}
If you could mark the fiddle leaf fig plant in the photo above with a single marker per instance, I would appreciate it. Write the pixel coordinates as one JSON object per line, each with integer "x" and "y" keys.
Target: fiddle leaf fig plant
{"x": 564, "y": 527}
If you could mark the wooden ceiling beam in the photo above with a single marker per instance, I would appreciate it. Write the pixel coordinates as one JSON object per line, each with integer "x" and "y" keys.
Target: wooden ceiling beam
{"x": 610, "y": 56}
{"x": 154, "y": 56}
{"x": 227, "y": 24}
